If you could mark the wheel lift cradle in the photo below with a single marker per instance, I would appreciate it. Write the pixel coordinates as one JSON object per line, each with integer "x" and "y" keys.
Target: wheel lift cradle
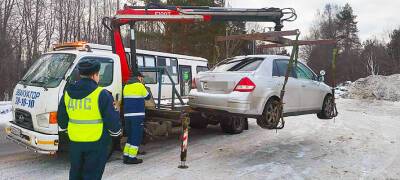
{"x": 188, "y": 14}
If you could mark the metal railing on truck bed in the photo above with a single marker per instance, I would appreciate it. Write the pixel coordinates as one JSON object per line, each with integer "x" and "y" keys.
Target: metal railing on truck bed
{"x": 163, "y": 71}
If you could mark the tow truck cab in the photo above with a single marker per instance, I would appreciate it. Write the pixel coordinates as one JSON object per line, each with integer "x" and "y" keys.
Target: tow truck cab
{"x": 36, "y": 96}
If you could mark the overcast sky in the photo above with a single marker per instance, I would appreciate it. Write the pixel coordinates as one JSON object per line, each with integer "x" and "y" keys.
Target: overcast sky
{"x": 375, "y": 17}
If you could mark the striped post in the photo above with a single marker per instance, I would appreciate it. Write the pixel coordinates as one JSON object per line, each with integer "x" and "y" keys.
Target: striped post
{"x": 184, "y": 139}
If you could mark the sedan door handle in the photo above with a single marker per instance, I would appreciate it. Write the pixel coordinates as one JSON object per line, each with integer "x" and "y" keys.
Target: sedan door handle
{"x": 303, "y": 85}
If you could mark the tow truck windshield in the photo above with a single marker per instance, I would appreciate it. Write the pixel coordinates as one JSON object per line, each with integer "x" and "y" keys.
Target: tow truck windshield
{"x": 48, "y": 70}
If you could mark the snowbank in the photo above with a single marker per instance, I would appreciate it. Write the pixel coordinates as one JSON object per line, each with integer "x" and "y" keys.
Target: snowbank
{"x": 5, "y": 111}
{"x": 3, "y": 103}
{"x": 376, "y": 87}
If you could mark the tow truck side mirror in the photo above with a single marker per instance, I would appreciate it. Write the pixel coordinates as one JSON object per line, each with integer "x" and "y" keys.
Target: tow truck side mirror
{"x": 71, "y": 79}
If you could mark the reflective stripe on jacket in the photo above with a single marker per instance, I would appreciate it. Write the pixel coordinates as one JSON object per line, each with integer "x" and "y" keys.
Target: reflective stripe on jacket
{"x": 134, "y": 98}
{"x": 85, "y": 122}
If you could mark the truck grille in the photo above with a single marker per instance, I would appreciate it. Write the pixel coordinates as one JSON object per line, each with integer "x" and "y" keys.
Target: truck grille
{"x": 23, "y": 119}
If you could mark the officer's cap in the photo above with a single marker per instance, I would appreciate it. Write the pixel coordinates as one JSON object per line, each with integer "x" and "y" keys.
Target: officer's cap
{"x": 88, "y": 66}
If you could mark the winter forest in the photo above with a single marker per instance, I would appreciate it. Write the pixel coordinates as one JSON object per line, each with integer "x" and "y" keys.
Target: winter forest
{"x": 30, "y": 28}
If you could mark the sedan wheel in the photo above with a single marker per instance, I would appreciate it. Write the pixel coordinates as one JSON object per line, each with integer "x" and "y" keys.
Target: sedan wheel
{"x": 271, "y": 115}
{"x": 233, "y": 124}
{"x": 328, "y": 108}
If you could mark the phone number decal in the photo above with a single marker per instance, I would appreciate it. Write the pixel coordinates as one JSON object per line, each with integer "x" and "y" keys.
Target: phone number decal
{"x": 26, "y": 98}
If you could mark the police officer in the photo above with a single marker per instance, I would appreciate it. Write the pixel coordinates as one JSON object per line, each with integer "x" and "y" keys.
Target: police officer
{"x": 134, "y": 94}
{"x": 87, "y": 114}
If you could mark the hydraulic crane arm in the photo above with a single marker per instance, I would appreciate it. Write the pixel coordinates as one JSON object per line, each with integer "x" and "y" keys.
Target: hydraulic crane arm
{"x": 154, "y": 12}
{"x": 193, "y": 14}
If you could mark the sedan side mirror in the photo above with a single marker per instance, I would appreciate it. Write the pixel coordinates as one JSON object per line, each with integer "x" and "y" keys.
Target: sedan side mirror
{"x": 321, "y": 77}
{"x": 322, "y": 73}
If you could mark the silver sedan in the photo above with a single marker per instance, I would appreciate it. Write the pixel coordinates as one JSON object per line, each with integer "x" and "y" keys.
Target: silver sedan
{"x": 249, "y": 86}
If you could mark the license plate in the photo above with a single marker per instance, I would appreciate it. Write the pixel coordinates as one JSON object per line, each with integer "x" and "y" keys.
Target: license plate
{"x": 15, "y": 131}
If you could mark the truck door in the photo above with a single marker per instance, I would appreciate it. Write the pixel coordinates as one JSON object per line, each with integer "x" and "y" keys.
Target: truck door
{"x": 185, "y": 79}
{"x": 109, "y": 77}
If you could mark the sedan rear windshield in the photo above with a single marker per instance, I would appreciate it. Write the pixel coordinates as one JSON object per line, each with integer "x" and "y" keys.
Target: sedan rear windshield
{"x": 243, "y": 64}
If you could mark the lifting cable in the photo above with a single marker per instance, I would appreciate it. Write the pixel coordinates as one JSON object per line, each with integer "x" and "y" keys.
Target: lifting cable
{"x": 293, "y": 59}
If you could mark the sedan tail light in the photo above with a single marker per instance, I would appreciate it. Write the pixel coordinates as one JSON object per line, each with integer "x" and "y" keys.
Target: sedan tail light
{"x": 194, "y": 84}
{"x": 245, "y": 85}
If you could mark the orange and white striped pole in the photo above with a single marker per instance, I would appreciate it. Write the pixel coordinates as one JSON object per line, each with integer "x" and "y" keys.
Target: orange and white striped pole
{"x": 184, "y": 139}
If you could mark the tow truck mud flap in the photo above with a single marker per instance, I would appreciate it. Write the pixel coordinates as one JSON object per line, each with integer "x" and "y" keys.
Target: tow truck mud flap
{"x": 39, "y": 143}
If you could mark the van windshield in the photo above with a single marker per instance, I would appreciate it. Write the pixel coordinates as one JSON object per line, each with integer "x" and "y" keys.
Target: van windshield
{"x": 239, "y": 64}
{"x": 48, "y": 70}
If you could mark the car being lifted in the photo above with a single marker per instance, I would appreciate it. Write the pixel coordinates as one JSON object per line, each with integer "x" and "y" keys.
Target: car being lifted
{"x": 249, "y": 87}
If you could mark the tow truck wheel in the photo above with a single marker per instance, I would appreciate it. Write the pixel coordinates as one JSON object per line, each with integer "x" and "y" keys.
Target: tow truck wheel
{"x": 197, "y": 121}
{"x": 327, "y": 111}
{"x": 233, "y": 124}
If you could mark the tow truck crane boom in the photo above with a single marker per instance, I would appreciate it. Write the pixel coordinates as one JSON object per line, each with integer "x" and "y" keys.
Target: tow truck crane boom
{"x": 155, "y": 12}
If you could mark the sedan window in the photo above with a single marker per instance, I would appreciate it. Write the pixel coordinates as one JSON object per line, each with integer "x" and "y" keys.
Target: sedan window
{"x": 245, "y": 64}
{"x": 280, "y": 67}
{"x": 250, "y": 65}
{"x": 303, "y": 72}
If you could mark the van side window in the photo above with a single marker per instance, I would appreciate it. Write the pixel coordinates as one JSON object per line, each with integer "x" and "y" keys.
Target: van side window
{"x": 171, "y": 64}
{"x": 201, "y": 69}
{"x": 147, "y": 61}
{"x": 280, "y": 67}
{"x": 140, "y": 61}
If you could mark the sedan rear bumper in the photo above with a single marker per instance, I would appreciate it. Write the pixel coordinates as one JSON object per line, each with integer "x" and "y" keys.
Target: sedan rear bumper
{"x": 236, "y": 103}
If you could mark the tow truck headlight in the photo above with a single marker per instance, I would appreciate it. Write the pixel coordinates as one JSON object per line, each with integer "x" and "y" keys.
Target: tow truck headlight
{"x": 44, "y": 120}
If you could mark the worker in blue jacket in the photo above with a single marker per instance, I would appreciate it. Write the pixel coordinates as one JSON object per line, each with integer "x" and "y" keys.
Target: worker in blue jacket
{"x": 135, "y": 94}
{"x": 87, "y": 114}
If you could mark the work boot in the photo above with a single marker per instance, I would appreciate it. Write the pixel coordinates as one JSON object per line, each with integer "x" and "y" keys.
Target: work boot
{"x": 132, "y": 161}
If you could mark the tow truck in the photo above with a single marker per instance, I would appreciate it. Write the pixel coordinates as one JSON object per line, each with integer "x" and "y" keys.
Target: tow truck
{"x": 36, "y": 97}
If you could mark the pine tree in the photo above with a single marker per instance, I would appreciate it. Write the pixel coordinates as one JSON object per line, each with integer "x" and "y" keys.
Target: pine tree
{"x": 394, "y": 50}
{"x": 347, "y": 29}
{"x": 193, "y": 39}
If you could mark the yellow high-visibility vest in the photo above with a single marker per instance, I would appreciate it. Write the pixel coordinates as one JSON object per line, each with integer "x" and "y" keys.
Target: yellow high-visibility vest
{"x": 135, "y": 90}
{"x": 85, "y": 121}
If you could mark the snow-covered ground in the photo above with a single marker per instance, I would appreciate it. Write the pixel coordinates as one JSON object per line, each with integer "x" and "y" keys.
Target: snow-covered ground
{"x": 362, "y": 143}
{"x": 5, "y": 111}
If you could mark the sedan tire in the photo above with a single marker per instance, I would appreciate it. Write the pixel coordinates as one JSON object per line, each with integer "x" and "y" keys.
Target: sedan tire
{"x": 271, "y": 115}
{"x": 233, "y": 124}
{"x": 327, "y": 111}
